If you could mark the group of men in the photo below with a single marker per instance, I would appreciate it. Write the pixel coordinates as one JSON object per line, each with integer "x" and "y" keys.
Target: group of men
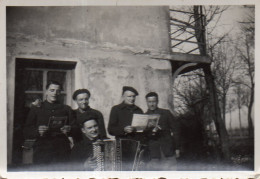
{"x": 64, "y": 135}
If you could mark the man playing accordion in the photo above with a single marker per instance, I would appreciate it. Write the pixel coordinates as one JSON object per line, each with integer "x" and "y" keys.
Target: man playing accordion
{"x": 82, "y": 154}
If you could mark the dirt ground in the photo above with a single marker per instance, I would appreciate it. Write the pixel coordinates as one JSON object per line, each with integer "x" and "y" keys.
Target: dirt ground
{"x": 209, "y": 159}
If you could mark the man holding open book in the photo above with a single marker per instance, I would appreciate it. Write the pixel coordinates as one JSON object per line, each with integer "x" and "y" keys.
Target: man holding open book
{"x": 50, "y": 124}
{"x": 164, "y": 134}
{"x": 120, "y": 124}
{"x": 121, "y": 115}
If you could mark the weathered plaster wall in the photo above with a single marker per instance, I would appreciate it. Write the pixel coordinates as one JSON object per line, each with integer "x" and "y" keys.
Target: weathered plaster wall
{"x": 109, "y": 44}
{"x": 138, "y": 27}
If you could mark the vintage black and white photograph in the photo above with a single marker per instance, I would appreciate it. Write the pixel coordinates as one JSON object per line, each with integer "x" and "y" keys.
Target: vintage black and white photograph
{"x": 76, "y": 75}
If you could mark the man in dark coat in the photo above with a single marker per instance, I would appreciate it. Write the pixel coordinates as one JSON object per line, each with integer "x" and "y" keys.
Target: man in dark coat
{"x": 163, "y": 137}
{"x": 120, "y": 126}
{"x": 81, "y": 97}
{"x": 121, "y": 115}
{"x": 82, "y": 152}
{"x": 50, "y": 125}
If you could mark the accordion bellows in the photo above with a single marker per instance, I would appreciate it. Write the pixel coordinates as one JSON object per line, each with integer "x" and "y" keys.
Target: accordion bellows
{"x": 117, "y": 155}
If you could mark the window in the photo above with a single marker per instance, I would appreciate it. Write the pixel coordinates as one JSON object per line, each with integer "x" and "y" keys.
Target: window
{"x": 37, "y": 79}
{"x": 33, "y": 76}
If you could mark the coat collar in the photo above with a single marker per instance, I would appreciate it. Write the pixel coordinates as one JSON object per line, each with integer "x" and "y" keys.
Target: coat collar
{"x": 127, "y": 106}
{"x": 87, "y": 140}
{"x": 88, "y": 109}
{"x": 156, "y": 111}
{"x": 48, "y": 105}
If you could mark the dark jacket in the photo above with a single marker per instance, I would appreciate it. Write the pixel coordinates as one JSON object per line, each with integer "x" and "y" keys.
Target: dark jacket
{"x": 80, "y": 116}
{"x": 54, "y": 146}
{"x": 121, "y": 116}
{"x": 163, "y": 138}
{"x": 81, "y": 151}
{"x": 41, "y": 115}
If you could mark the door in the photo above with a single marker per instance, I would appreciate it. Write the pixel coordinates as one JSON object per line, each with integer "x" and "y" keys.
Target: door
{"x": 31, "y": 79}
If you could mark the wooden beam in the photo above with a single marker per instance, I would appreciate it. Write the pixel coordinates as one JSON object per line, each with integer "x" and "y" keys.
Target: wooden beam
{"x": 186, "y": 12}
{"x": 188, "y": 41}
{"x": 184, "y": 57}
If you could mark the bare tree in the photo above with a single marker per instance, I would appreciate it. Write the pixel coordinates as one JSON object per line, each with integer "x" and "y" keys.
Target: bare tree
{"x": 196, "y": 20}
{"x": 209, "y": 78}
{"x": 224, "y": 66}
{"x": 245, "y": 49}
{"x": 238, "y": 93}
{"x": 231, "y": 105}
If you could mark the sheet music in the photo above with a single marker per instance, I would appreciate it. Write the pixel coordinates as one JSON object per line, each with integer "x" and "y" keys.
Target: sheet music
{"x": 143, "y": 121}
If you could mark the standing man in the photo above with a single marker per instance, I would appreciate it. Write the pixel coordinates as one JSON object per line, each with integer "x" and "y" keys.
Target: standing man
{"x": 161, "y": 142}
{"x": 120, "y": 126}
{"x": 50, "y": 124}
{"x": 121, "y": 115}
{"x": 81, "y": 96}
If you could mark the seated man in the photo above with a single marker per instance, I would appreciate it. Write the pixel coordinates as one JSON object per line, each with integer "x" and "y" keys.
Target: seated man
{"x": 161, "y": 142}
{"x": 50, "y": 124}
{"x": 81, "y": 97}
{"x": 82, "y": 153}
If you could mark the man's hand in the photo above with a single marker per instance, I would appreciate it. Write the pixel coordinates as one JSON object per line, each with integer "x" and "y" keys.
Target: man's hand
{"x": 98, "y": 142}
{"x": 91, "y": 162}
{"x": 157, "y": 128}
{"x": 65, "y": 129}
{"x": 177, "y": 153}
{"x": 129, "y": 129}
{"x": 42, "y": 129}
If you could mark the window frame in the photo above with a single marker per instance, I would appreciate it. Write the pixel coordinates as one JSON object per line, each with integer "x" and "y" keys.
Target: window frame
{"x": 68, "y": 83}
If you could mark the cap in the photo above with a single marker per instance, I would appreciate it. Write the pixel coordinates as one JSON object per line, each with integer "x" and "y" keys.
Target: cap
{"x": 80, "y": 91}
{"x": 89, "y": 116}
{"x": 129, "y": 88}
{"x": 151, "y": 94}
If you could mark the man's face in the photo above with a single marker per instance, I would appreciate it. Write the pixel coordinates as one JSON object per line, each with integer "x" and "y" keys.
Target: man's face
{"x": 129, "y": 97}
{"x": 90, "y": 129}
{"x": 53, "y": 93}
{"x": 82, "y": 100}
{"x": 152, "y": 102}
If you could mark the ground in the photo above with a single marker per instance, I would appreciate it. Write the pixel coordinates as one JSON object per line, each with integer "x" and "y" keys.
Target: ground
{"x": 242, "y": 158}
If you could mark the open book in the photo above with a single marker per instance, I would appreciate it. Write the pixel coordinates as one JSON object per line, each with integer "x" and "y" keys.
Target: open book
{"x": 145, "y": 121}
{"x": 55, "y": 123}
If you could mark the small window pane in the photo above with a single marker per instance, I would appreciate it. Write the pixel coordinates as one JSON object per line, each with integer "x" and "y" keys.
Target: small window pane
{"x": 33, "y": 80}
{"x": 57, "y": 76}
{"x": 29, "y": 98}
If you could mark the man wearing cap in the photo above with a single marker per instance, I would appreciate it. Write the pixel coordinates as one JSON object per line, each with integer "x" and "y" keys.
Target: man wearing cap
{"x": 81, "y": 97}
{"x": 120, "y": 124}
{"x": 161, "y": 142}
{"x": 50, "y": 124}
{"x": 121, "y": 115}
{"x": 82, "y": 152}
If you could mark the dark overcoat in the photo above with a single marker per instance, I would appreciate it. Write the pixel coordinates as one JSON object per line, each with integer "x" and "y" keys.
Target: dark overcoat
{"x": 163, "y": 138}
{"x": 121, "y": 116}
{"x": 53, "y": 146}
{"x": 81, "y": 151}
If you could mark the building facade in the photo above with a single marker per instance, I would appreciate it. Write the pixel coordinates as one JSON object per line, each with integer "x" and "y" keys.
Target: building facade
{"x": 98, "y": 48}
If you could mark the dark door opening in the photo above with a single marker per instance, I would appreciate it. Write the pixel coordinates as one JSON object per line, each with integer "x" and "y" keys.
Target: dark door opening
{"x": 31, "y": 77}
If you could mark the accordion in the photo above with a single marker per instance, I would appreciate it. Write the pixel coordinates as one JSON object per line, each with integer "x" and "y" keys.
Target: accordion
{"x": 118, "y": 155}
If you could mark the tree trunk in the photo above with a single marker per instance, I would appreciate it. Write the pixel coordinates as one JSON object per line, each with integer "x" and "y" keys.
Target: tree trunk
{"x": 224, "y": 109}
{"x": 240, "y": 123}
{"x": 249, "y": 117}
{"x": 239, "y": 104}
{"x": 216, "y": 114}
{"x": 200, "y": 32}
{"x": 230, "y": 127}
